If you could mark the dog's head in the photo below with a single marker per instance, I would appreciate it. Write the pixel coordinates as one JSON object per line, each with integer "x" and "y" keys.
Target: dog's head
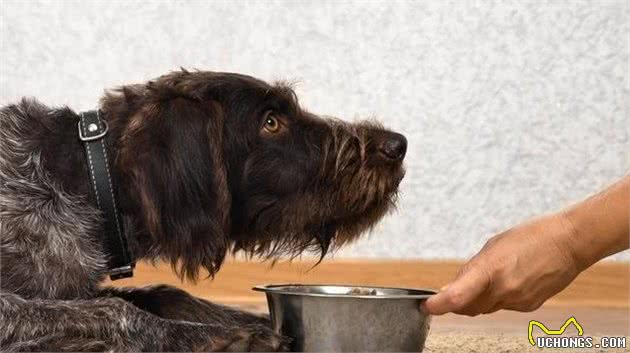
{"x": 223, "y": 161}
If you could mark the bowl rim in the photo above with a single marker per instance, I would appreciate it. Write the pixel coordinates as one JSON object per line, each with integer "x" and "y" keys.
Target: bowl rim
{"x": 275, "y": 289}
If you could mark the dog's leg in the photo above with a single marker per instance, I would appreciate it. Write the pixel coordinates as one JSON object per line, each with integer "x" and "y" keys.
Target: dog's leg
{"x": 172, "y": 303}
{"x": 77, "y": 325}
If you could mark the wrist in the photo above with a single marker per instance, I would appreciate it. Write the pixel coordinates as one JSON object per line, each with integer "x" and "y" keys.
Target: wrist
{"x": 575, "y": 238}
{"x": 600, "y": 224}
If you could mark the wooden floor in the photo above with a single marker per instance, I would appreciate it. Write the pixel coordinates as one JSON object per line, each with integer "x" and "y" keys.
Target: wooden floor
{"x": 605, "y": 285}
{"x": 599, "y": 298}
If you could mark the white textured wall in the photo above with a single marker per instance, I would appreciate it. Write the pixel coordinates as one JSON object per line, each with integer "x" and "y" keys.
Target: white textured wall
{"x": 512, "y": 109}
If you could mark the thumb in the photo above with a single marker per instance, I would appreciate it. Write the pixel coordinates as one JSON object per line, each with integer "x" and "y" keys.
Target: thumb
{"x": 468, "y": 286}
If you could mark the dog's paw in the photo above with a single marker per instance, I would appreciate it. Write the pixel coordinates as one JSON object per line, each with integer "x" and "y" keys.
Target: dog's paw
{"x": 256, "y": 338}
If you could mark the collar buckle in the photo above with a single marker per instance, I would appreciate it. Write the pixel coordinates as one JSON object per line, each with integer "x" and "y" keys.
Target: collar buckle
{"x": 121, "y": 272}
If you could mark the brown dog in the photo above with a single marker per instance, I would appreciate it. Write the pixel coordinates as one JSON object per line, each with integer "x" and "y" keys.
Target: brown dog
{"x": 205, "y": 163}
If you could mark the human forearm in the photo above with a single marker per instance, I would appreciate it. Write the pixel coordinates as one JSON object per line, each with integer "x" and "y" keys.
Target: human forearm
{"x": 600, "y": 224}
{"x": 524, "y": 266}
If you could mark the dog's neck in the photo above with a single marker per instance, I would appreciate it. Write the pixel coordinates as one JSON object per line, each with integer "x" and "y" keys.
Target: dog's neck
{"x": 92, "y": 131}
{"x": 140, "y": 242}
{"x": 63, "y": 157}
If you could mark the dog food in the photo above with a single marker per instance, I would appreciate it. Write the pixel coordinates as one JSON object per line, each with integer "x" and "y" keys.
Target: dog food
{"x": 362, "y": 291}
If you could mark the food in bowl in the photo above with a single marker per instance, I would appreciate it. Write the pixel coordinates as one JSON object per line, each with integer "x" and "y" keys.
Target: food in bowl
{"x": 362, "y": 291}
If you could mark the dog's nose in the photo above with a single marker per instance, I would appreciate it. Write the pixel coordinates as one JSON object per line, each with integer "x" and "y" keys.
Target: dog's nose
{"x": 393, "y": 146}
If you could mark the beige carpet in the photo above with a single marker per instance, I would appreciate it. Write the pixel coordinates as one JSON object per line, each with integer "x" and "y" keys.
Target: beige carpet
{"x": 506, "y": 331}
{"x": 495, "y": 343}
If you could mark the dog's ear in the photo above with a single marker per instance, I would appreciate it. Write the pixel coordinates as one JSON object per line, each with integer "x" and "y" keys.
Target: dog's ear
{"x": 171, "y": 152}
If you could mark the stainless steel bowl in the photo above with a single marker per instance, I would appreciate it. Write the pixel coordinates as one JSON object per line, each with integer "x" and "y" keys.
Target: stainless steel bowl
{"x": 335, "y": 318}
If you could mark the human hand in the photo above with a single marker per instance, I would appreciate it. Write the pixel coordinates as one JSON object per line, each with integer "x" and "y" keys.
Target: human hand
{"x": 516, "y": 270}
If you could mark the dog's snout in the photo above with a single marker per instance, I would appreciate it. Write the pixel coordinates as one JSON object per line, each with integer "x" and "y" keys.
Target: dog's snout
{"x": 392, "y": 146}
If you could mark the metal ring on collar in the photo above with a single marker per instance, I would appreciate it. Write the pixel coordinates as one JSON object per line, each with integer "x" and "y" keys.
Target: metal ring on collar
{"x": 95, "y": 137}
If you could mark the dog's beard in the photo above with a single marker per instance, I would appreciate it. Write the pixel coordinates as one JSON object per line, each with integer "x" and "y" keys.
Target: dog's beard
{"x": 348, "y": 197}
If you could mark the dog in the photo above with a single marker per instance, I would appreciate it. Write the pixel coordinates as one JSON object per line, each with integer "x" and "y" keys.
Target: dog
{"x": 205, "y": 164}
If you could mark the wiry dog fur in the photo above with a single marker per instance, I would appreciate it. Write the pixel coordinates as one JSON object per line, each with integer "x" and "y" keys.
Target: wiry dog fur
{"x": 205, "y": 163}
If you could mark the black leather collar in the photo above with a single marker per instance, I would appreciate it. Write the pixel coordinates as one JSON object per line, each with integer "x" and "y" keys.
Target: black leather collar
{"x": 92, "y": 131}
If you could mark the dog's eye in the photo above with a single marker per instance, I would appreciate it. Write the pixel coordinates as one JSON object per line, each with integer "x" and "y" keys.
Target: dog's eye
{"x": 272, "y": 125}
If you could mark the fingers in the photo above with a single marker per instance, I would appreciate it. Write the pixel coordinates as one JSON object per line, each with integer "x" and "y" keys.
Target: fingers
{"x": 467, "y": 289}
